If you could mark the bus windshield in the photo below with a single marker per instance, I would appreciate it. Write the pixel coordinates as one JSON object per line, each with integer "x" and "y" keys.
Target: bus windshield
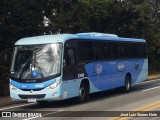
{"x": 36, "y": 61}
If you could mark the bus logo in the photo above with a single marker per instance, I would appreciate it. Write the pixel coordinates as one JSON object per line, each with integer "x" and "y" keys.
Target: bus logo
{"x": 31, "y": 91}
{"x": 98, "y": 69}
{"x": 120, "y": 67}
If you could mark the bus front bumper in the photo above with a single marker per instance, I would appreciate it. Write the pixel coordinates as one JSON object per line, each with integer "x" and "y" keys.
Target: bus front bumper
{"x": 41, "y": 95}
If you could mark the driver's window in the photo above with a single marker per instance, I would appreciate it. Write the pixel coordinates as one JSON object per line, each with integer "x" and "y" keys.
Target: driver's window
{"x": 71, "y": 56}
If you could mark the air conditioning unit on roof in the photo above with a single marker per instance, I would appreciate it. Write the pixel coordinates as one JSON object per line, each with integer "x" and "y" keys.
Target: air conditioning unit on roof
{"x": 97, "y": 34}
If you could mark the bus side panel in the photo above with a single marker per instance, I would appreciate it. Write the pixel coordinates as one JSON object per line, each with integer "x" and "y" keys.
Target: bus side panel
{"x": 70, "y": 88}
{"x": 138, "y": 69}
{"x": 103, "y": 75}
{"x": 112, "y": 79}
{"x": 143, "y": 74}
{"x": 72, "y": 79}
{"x": 111, "y": 74}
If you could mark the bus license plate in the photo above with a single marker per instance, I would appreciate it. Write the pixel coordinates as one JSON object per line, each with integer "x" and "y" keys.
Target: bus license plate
{"x": 32, "y": 99}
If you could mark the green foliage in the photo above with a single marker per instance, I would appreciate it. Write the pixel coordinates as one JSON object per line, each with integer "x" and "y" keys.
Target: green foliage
{"x": 126, "y": 18}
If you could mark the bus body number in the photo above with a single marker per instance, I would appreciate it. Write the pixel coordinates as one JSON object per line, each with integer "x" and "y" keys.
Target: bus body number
{"x": 81, "y": 75}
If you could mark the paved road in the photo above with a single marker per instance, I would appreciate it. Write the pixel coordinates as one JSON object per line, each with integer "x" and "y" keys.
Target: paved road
{"x": 143, "y": 97}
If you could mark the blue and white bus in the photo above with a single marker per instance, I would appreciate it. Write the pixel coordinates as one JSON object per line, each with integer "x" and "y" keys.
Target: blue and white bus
{"x": 56, "y": 67}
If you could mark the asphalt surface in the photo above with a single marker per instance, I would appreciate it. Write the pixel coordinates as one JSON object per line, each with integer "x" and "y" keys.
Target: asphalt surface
{"x": 106, "y": 105}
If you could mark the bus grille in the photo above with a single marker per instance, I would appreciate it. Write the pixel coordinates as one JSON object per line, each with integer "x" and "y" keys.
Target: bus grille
{"x": 39, "y": 96}
{"x": 32, "y": 89}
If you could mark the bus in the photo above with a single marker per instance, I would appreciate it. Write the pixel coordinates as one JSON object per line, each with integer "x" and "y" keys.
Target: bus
{"x": 61, "y": 66}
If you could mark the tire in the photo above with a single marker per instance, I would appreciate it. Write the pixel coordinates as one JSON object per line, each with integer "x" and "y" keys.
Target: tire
{"x": 83, "y": 93}
{"x": 127, "y": 86}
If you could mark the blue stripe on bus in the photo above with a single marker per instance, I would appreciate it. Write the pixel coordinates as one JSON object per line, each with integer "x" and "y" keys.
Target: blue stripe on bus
{"x": 32, "y": 85}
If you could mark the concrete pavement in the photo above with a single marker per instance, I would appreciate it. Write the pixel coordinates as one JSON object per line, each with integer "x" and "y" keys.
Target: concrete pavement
{"x": 6, "y": 100}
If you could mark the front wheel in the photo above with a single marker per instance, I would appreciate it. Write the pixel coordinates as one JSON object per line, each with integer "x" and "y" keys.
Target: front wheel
{"x": 127, "y": 86}
{"x": 83, "y": 93}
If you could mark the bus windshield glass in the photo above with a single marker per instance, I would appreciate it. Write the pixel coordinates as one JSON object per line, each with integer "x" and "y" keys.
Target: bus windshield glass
{"x": 36, "y": 61}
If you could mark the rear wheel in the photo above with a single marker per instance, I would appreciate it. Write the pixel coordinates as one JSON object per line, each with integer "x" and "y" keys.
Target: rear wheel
{"x": 127, "y": 86}
{"x": 83, "y": 92}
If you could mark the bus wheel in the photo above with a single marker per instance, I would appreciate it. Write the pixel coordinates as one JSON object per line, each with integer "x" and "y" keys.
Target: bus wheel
{"x": 83, "y": 92}
{"x": 127, "y": 85}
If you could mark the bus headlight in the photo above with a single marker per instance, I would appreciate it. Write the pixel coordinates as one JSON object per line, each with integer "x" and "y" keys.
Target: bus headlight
{"x": 12, "y": 87}
{"x": 54, "y": 85}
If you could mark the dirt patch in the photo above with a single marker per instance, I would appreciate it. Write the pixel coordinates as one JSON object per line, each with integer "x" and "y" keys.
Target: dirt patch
{"x": 154, "y": 76}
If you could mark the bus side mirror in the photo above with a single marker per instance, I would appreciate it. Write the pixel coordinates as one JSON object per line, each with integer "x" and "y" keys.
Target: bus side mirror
{"x": 71, "y": 56}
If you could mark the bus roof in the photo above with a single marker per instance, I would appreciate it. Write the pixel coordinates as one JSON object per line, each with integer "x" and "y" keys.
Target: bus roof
{"x": 112, "y": 38}
{"x": 44, "y": 39}
{"x": 106, "y": 36}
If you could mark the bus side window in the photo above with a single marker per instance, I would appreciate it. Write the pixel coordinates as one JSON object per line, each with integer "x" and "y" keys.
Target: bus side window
{"x": 71, "y": 56}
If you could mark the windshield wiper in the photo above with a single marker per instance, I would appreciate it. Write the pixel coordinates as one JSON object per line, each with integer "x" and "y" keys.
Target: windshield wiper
{"x": 24, "y": 66}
